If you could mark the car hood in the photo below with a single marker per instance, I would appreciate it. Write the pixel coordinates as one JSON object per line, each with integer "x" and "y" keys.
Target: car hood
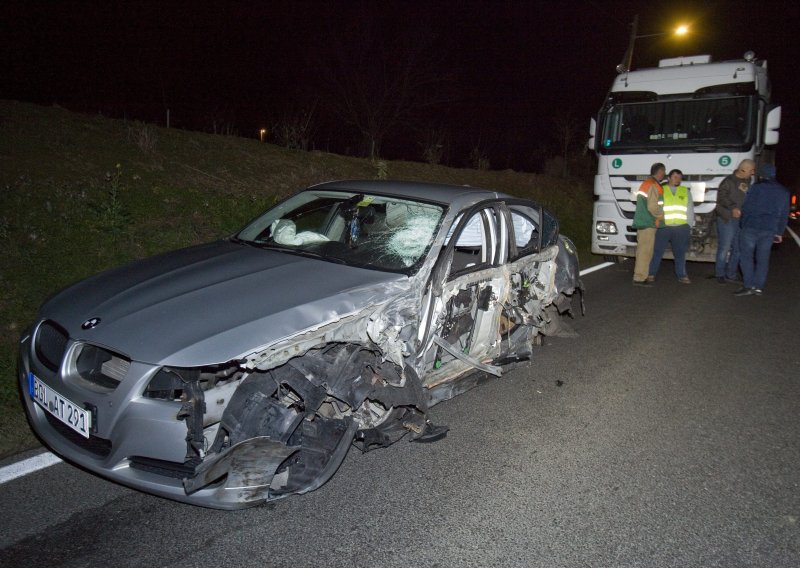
{"x": 213, "y": 303}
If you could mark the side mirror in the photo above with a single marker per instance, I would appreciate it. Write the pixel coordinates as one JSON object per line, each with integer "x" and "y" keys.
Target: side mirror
{"x": 771, "y": 133}
{"x": 592, "y": 131}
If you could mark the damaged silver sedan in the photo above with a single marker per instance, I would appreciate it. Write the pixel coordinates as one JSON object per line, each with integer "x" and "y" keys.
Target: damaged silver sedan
{"x": 241, "y": 371}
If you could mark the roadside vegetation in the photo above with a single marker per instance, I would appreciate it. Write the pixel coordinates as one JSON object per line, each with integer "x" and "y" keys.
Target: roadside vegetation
{"x": 82, "y": 193}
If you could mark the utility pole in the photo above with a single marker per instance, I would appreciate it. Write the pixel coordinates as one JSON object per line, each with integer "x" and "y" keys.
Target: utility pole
{"x": 627, "y": 59}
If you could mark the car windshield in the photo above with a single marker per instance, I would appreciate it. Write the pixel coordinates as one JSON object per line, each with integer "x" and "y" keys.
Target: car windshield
{"x": 373, "y": 231}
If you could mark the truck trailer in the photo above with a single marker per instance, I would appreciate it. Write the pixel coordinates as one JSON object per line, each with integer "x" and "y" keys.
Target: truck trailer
{"x": 689, "y": 113}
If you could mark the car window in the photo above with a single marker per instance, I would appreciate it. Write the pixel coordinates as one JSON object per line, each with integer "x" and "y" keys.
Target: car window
{"x": 525, "y": 230}
{"x": 476, "y": 243}
{"x": 526, "y": 227}
{"x": 524, "y": 222}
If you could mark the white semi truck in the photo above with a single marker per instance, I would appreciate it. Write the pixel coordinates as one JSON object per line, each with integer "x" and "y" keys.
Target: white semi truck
{"x": 689, "y": 113}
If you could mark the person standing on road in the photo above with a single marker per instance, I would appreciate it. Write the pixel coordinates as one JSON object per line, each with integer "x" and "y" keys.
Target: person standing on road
{"x": 646, "y": 219}
{"x": 730, "y": 197}
{"x": 677, "y": 228}
{"x": 765, "y": 212}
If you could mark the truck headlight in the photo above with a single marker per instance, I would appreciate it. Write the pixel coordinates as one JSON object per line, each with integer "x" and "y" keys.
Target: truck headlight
{"x": 606, "y": 228}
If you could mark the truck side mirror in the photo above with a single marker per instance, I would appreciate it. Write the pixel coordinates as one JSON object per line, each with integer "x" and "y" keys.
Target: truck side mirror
{"x": 771, "y": 134}
{"x": 592, "y": 130}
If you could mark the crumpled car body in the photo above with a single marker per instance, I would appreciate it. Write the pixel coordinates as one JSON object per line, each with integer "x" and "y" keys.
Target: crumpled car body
{"x": 242, "y": 371}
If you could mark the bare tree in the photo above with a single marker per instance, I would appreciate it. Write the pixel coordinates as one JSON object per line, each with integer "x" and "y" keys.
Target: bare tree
{"x": 379, "y": 81}
{"x": 296, "y": 128}
{"x": 221, "y": 119}
{"x": 566, "y": 131}
{"x": 435, "y": 145}
{"x": 479, "y": 158}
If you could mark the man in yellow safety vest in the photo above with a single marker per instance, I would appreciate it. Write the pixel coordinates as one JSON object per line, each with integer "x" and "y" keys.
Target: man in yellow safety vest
{"x": 677, "y": 228}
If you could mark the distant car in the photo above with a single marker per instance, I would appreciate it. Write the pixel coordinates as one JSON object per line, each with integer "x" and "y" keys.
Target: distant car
{"x": 241, "y": 371}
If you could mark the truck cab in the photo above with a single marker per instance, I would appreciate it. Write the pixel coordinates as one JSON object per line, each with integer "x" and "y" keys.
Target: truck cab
{"x": 690, "y": 113}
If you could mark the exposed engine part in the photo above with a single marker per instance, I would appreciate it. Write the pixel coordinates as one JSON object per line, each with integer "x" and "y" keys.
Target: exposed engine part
{"x": 300, "y": 419}
{"x": 192, "y": 411}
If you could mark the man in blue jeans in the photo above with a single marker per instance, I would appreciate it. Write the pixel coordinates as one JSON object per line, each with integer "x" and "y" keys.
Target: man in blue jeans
{"x": 730, "y": 197}
{"x": 676, "y": 230}
{"x": 765, "y": 212}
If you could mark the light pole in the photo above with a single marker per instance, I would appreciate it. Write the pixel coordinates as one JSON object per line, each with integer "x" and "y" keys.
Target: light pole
{"x": 627, "y": 59}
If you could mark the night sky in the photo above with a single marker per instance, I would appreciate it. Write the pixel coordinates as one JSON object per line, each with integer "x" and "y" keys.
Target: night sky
{"x": 496, "y": 73}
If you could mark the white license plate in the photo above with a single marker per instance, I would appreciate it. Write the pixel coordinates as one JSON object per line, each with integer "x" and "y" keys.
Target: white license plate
{"x": 62, "y": 408}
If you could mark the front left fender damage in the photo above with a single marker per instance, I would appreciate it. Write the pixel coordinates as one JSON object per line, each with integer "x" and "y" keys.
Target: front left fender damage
{"x": 286, "y": 430}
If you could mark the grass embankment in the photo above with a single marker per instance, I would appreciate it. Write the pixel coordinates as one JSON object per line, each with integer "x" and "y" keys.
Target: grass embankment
{"x": 80, "y": 193}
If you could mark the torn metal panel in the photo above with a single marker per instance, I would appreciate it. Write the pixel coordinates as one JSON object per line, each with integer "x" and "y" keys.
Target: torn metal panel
{"x": 332, "y": 463}
{"x": 471, "y": 361}
{"x": 568, "y": 279}
{"x": 446, "y": 390}
{"x": 312, "y": 407}
{"x": 248, "y": 469}
{"x": 378, "y": 323}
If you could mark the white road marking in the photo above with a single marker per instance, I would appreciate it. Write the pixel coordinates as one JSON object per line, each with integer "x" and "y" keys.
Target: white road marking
{"x": 27, "y": 466}
{"x": 595, "y": 267}
{"x": 794, "y": 235}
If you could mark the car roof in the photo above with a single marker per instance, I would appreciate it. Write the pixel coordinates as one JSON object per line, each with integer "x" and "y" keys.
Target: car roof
{"x": 442, "y": 193}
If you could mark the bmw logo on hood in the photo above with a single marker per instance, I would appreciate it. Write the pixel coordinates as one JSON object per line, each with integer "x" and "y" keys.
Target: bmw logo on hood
{"x": 90, "y": 323}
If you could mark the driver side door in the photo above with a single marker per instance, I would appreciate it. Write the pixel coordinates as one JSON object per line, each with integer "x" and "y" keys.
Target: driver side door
{"x": 463, "y": 303}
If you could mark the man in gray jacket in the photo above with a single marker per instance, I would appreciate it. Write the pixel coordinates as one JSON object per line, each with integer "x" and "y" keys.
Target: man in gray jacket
{"x": 730, "y": 197}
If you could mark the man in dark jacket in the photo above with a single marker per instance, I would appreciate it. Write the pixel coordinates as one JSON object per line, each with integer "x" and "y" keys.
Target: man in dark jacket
{"x": 730, "y": 197}
{"x": 765, "y": 212}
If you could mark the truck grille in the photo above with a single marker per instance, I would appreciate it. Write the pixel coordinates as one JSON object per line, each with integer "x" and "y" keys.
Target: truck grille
{"x": 686, "y": 177}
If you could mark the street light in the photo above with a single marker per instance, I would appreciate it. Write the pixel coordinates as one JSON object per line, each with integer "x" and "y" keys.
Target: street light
{"x": 627, "y": 61}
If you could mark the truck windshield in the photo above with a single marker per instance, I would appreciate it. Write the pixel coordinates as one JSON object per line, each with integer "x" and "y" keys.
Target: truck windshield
{"x": 678, "y": 124}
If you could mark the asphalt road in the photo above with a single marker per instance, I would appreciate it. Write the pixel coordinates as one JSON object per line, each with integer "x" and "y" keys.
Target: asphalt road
{"x": 666, "y": 434}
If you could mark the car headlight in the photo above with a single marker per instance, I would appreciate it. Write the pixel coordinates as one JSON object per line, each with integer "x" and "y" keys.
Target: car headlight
{"x": 169, "y": 383}
{"x": 606, "y": 227}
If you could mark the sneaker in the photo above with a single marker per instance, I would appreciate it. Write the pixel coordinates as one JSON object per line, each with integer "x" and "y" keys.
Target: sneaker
{"x": 684, "y": 280}
{"x": 644, "y": 283}
{"x": 758, "y": 291}
{"x": 746, "y": 292}
{"x": 651, "y": 279}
